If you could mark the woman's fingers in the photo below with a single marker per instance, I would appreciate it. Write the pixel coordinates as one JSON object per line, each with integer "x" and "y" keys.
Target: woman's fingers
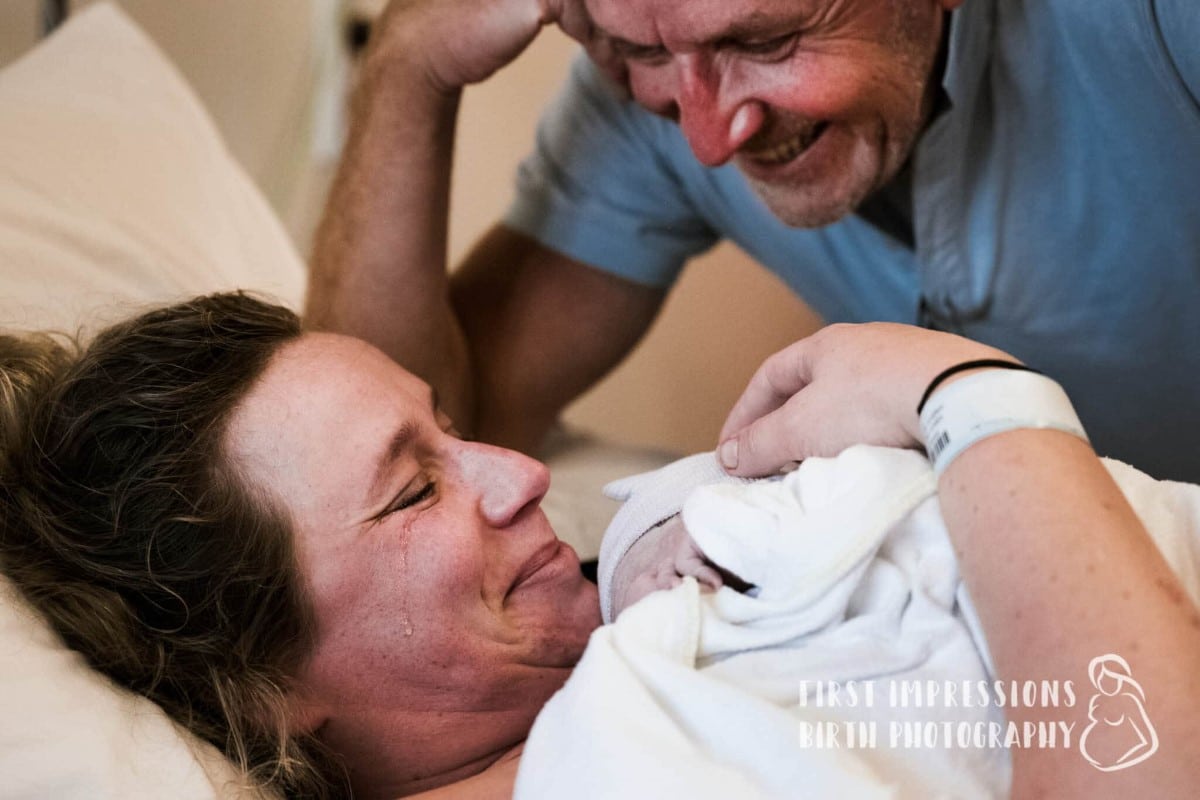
{"x": 777, "y": 440}
{"x": 779, "y": 378}
{"x": 844, "y": 385}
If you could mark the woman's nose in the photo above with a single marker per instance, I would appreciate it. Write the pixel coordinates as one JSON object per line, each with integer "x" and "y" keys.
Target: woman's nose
{"x": 506, "y": 482}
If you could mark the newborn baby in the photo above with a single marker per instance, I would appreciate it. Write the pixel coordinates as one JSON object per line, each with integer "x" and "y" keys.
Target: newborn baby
{"x": 647, "y": 546}
{"x": 854, "y": 580}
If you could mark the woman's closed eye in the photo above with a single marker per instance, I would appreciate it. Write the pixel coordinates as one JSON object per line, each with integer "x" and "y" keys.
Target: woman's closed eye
{"x": 409, "y": 499}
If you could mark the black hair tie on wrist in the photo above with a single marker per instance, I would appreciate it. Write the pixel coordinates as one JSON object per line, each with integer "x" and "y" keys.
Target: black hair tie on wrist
{"x": 963, "y": 367}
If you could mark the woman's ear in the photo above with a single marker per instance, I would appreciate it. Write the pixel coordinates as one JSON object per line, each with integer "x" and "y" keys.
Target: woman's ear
{"x": 304, "y": 713}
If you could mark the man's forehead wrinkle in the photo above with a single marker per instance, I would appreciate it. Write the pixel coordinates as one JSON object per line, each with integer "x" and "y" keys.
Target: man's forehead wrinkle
{"x": 758, "y": 22}
{"x": 687, "y": 25}
{"x": 631, "y": 21}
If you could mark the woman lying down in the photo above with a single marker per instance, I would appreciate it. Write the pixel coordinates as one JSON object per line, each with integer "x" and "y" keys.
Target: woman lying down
{"x": 279, "y": 538}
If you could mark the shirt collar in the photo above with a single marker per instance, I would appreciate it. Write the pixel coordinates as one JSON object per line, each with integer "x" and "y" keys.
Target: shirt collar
{"x": 969, "y": 49}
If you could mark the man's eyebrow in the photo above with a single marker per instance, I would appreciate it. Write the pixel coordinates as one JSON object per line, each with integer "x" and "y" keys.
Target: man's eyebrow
{"x": 760, "y": 24}
{"x": 757, "y": 23}
{"x": 621, "y": 42}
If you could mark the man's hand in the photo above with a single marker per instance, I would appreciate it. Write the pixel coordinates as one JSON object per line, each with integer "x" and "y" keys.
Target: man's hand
{"x": 455, "y": 43}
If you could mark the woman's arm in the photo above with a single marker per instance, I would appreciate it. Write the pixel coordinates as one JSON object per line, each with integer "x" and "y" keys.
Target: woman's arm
{"x": 1059, "y": 567}
{"x": 1061, "y": 571}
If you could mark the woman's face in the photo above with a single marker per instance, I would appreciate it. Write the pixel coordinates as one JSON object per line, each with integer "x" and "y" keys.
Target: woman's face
{"x": 437, "y": 581}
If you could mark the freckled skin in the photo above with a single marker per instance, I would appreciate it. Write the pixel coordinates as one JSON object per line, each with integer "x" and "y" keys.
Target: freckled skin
{"x": 862, "y": 69}
{"x": 422, "y": 619}
{"x": 1173, "y": 591}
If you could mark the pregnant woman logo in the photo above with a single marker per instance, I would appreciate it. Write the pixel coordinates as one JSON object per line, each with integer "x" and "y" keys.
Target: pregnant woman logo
{"x": 1119, "y": 734}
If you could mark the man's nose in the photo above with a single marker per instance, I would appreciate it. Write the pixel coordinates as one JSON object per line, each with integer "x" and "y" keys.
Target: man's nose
{"x": 714, "y": 124}
{"x": 506, "y": 482}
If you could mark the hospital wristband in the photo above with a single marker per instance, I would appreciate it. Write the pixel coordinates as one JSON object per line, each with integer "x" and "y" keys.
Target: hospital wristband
{"x": 985, "y": 404}
{"x": 963, "y": 367}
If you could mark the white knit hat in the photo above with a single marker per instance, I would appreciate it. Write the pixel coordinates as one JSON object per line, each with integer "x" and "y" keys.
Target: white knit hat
{"x": 650, "y": 498}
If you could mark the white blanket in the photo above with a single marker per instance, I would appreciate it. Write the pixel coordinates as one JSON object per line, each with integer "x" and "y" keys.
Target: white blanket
{"x": 719, "y": 695}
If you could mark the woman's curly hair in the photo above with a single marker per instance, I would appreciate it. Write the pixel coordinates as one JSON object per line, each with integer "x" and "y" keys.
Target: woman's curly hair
{"x": 123, "y": 520}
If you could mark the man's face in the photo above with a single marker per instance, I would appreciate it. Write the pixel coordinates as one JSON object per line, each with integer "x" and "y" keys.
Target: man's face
{"x": 818, "y": 102}
{"x": 437, "y": 581}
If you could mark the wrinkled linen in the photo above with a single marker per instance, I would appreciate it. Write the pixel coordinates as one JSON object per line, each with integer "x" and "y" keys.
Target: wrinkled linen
{"x": 694, "y": 694}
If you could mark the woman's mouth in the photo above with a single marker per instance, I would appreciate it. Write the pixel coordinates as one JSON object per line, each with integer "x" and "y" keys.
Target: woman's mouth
{"x": 541, "y": 559}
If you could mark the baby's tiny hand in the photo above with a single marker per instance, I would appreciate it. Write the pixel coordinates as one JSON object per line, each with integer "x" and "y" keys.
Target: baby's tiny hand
{"x": 660, "y": 559}
{"x": 690, "y": 559}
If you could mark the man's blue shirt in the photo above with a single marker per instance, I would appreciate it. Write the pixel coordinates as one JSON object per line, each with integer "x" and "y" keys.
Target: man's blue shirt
{"x": 1055, "y": 209}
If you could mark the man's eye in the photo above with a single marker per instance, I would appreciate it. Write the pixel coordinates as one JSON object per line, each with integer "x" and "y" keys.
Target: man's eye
{"x": 778, "y": 47}
{"x": 424, "y": 493}
{"x": 643, "y": 54}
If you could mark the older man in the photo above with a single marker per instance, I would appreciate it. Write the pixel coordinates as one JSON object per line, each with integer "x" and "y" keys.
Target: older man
{"x": 1019, "y": 172}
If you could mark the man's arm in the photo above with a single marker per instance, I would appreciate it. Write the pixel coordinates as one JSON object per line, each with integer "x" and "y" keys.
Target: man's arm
{"x": 378, "y": 267}
{"x": 541, "y": 328}
{"x": 528, "y": 329}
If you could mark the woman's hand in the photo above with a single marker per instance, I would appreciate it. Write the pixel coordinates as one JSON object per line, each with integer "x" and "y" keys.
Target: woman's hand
{"x": 844, "y": 385}
{"x": 455, "y": 43}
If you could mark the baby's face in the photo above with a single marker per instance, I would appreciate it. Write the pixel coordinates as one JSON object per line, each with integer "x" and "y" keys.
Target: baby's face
{"x": 660, "y": 559}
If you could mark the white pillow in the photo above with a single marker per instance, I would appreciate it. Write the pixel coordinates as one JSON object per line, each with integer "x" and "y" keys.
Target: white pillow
{"x": 115, "y": 192}
{"x": 115, "y": 187}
